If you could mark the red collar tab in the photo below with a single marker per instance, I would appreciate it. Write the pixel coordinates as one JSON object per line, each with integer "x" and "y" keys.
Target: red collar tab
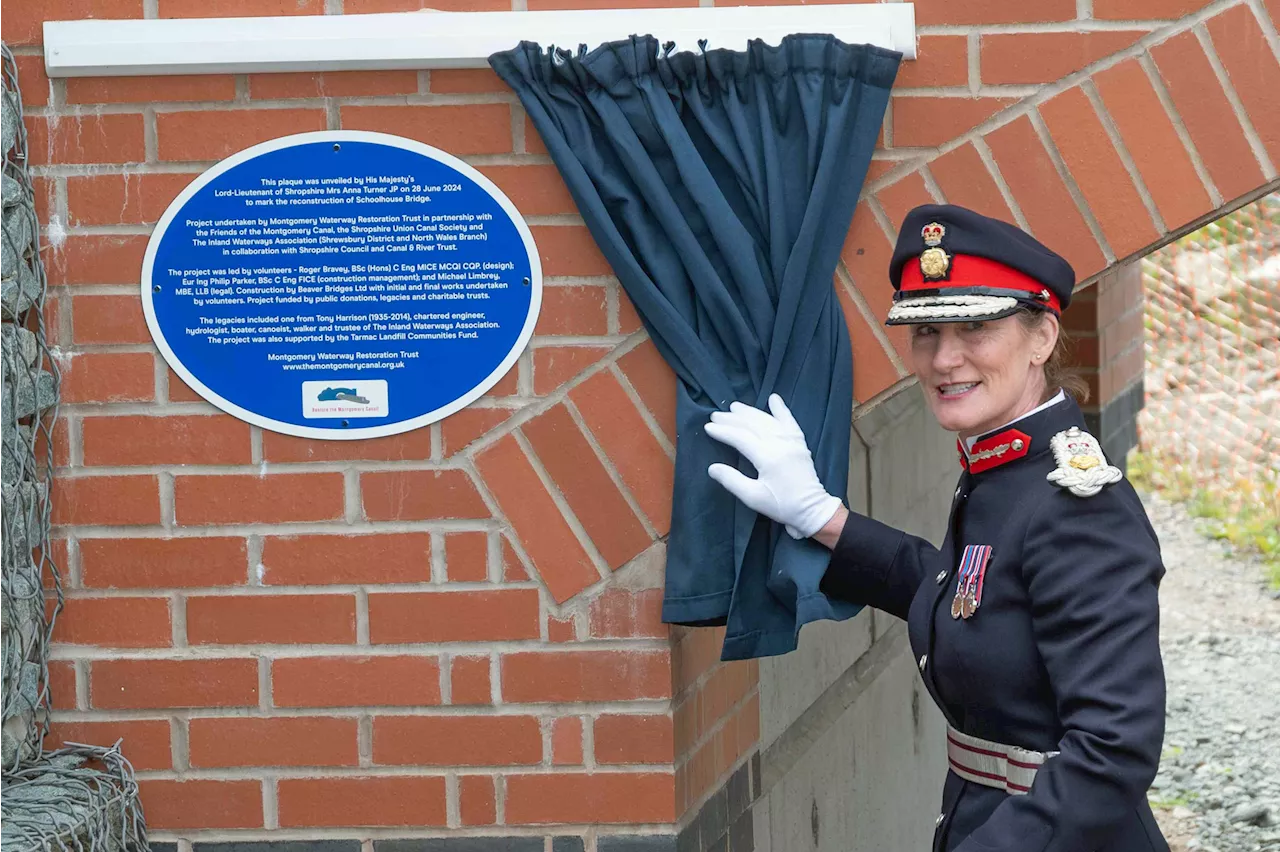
{"x": 994, "y": 451}
{"x": 970, "y": 270}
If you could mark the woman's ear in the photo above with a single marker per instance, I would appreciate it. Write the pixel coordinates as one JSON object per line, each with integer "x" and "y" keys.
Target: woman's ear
{"x": 1044, "y": 338}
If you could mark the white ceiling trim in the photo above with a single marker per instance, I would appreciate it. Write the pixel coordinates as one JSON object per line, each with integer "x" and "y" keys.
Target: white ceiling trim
{"x": 90, "y": 48}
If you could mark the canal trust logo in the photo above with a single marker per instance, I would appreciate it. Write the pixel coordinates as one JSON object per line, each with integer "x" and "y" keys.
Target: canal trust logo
{"x": 364, "y": 398}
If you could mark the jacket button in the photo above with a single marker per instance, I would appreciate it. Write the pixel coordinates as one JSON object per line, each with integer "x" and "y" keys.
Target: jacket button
{"x": 937, "y": 822}
{"x": 942, "y": 575}
{"x": 923, "y": 659}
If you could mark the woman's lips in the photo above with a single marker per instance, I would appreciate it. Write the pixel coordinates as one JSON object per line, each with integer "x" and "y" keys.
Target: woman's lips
{"x": 956, "y": 390}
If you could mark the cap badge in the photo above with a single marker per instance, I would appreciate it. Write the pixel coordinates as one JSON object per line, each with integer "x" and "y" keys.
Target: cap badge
{"x": 1082, "y": 468}
{"x": 1043, "y": 295}
{"x": 934, "y": 263}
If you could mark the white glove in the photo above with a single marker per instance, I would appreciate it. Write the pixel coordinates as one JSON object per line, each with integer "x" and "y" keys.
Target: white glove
{"x": 787, "y": 488}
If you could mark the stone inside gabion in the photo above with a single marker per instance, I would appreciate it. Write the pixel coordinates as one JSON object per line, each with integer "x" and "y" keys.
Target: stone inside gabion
{"x": 17, "y": 237}
{"x": 79, "y": 797}
{"x": 19, "y": 344}
{"x": 10, "y": 116}
{"x": 10, "y": 191}
{"x": 29, "y": 392}
{"x": 18, "y": 292}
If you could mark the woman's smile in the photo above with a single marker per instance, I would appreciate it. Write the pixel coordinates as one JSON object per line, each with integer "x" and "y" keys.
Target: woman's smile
{"x": 956, "y": 390}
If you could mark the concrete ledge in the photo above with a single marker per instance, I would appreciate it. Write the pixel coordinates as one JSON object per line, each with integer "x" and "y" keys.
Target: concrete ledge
{"x": 787, "y": 750}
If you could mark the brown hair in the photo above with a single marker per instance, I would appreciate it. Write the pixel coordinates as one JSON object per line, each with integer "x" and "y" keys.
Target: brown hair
{"x": 1058, "y": 373}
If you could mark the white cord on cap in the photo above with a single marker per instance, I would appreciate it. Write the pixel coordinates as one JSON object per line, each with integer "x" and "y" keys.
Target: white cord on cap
{"x": 951, "y": 307}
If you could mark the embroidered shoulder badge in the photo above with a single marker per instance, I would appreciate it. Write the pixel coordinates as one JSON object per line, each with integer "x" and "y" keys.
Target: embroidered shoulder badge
{"x": 1082, "y": 468}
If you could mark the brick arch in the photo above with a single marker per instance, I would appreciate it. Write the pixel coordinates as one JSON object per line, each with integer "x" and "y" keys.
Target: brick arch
{"x": 1149, "y": 133}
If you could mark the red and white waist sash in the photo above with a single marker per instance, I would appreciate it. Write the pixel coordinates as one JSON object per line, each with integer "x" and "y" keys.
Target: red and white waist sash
{"x": 993, "y": 764}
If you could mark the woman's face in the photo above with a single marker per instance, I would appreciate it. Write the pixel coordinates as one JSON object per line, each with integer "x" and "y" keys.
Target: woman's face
{"x": 982, "y": 374}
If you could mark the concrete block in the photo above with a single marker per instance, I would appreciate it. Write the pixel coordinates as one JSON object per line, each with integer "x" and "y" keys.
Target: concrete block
{"x": 874, "y": 780}
{"x": 760, "y": 827}
{"x": 636, "y": 843}
{"x": 739, "y": 791}
{"x": 742, "y": 834}
{"x": 688, "y": 840}
{"x": 912, "y": 465}
{"x": 460, "y": 844}
{"x": 277, "y": 846}
{"x": 789, "y": 684}
{"x": 713, "y": 819}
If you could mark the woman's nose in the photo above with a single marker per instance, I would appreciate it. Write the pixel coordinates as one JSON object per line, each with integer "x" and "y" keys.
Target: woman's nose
{"x": 950, "y": 352}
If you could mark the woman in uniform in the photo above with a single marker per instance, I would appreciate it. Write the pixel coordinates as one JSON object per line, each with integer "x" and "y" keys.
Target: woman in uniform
{"x": 1035, "y": 626}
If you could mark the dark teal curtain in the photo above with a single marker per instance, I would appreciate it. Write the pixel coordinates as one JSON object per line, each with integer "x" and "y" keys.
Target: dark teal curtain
{"x": 720, "y": 186}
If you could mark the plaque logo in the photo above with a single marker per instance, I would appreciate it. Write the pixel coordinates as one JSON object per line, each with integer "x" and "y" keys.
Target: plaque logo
{"x": 366, "y": 398}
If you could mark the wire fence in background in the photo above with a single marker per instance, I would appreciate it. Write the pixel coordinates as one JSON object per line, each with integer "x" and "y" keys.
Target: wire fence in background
{"x": 1210, "y": 430}
{"x": 79, "y": 797}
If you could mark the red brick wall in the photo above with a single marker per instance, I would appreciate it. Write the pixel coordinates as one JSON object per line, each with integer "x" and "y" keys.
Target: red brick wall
{"x": 458, "y": 628}
{"x": 1105, "y": 322}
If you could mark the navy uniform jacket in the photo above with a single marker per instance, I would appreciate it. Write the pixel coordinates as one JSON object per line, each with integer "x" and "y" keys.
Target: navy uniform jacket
{"x": 1062, "y": 653}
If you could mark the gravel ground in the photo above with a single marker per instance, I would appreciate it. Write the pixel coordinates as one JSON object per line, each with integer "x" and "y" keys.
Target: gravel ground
{"x": 1218, "y": 789}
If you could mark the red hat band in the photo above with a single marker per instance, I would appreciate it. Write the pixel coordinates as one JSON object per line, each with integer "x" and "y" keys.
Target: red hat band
{"x": 970, "y": 270}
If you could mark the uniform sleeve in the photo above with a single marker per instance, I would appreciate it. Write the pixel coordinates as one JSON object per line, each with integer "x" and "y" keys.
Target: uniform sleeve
{"x": 877, "y": 565}
{"x": 1092, "y": 567}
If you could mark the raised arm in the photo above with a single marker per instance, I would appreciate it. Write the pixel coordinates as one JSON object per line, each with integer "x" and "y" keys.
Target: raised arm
{"x": 873, "y": 563}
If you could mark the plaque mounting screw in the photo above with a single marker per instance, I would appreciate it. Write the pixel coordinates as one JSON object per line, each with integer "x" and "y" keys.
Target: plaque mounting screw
{"x": 156, "y": 288}
{"x": 345, "y": 424}
{"x": 336, "y": 146}
{"x": 527, "y": 282}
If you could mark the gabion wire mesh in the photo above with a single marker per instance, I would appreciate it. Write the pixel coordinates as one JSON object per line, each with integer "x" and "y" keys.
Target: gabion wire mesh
{"x": 78, "y": 797}
{"x": 1213, "y": 351}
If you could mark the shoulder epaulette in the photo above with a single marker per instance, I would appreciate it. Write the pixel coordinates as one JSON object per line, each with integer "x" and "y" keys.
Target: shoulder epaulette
{"x": 1082, "y": 468}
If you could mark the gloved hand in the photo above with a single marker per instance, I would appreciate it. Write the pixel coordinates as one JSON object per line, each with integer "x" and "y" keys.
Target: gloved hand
{"x": 787, "y": 488}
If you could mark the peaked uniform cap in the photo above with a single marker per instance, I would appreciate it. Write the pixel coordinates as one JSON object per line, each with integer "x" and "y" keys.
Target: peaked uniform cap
{"x": 951, "y": 264}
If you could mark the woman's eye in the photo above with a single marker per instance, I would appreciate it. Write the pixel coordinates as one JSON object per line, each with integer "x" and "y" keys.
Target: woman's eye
{"x": 975, "y": 325}
{"x": 924, "y": 330}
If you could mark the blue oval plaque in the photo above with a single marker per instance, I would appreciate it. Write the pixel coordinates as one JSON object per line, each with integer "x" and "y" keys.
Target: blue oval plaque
{"x": 341, "y": 284}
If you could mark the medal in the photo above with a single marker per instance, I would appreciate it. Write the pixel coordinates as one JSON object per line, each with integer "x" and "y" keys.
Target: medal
{"x": 973, "y": 569}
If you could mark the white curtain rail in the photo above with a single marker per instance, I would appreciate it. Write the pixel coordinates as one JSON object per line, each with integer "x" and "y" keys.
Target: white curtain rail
{"x": 91, "y": 48}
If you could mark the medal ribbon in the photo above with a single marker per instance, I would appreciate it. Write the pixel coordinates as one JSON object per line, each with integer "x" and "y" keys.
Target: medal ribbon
{"x": 973, "y": 569}
{"x": 982, "y": 556}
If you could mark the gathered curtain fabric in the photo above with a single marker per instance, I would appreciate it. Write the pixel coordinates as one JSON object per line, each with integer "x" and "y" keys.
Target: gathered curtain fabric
{"x": 720, "y": 186}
